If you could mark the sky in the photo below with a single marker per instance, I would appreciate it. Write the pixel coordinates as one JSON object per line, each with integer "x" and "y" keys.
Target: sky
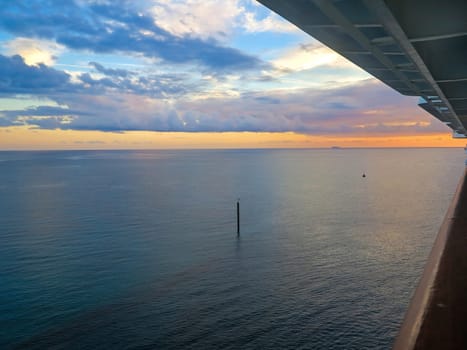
{"x": 134, "y": 74}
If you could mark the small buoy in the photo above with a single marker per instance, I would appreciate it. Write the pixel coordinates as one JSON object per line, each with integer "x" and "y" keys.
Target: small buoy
{"x": 363, "y": 175}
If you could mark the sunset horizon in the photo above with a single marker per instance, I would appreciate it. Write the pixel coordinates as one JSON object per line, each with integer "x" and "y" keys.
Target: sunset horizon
{"x": 31, "y": 139}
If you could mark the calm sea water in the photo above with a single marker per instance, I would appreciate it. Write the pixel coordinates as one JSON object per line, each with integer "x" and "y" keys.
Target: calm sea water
{"x": 138, "y": 249}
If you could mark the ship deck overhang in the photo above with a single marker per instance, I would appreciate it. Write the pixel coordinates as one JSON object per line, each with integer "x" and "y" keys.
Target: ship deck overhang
{"x": 417, "y": 47}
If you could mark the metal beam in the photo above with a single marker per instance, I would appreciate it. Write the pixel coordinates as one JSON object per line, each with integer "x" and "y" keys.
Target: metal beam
{"x": 383, "y": 40}
{"x": 451, "y": 80}
{"x": 361, "y": 52}
{"x": 358, "y": 25}
{"x": 334, "y": 14}
{"x": 437, "y": 37}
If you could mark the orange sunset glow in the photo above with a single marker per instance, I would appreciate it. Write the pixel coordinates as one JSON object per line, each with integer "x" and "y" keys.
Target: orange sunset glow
{"x": 23, "y": 138}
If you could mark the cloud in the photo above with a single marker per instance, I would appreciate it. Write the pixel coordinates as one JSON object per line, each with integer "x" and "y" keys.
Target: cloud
{"x": 197, "y": 18}
{"x": 154, "y": 85}
{"x": 102, "y": 27}
{"x": 345, "y": 110}
{"x": 16, "y": 77}
{"x": 311, "y": 64}
{"x": 123, "y": 73}
{"x": 271, "y": 23}
{"x": 307, "y": 56}
{"x": 34, "y": 51}
{"x": 205, "y": 85}
{"x": 216, "y": 18}
{"x": 327, "y": 111}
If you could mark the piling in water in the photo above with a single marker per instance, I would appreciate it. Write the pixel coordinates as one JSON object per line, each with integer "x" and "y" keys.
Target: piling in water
{"x": 238, "y": 217}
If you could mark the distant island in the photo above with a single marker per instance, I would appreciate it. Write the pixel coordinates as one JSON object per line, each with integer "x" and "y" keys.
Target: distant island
{"x": 336, "y": 147}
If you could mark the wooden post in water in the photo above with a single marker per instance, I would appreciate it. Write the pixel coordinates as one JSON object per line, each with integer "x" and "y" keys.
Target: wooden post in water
{"x": 238, "y": 217}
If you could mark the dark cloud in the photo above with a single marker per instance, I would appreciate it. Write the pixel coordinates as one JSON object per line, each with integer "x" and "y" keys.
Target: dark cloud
{"x": 115, "y": 27}
{"x": 153, "y": 85}
{"x": 264, "y": 78}
{"x": 49, "y": 111}
{"x": 17, "y": 77}
{"x": 267, "y": 99}
{"x": 111, "y": 72}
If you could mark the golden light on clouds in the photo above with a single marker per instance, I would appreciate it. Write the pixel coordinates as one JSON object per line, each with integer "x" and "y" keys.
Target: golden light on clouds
{"x": 34, "y": 51}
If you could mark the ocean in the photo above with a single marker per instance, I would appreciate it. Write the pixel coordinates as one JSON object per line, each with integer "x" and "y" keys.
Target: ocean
{"x": 139, "y": 249}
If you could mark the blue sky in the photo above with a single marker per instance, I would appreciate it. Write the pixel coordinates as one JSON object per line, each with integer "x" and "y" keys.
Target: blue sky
{"x": 184, "y": 66}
